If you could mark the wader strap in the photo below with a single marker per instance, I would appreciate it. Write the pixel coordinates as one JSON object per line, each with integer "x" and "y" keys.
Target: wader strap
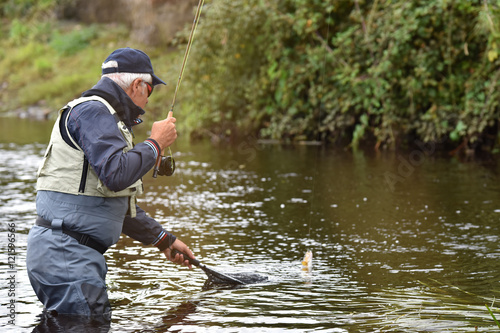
{"x": 81, "y": 238}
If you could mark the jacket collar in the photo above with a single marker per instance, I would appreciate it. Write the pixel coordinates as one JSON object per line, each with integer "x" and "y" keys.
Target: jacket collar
{"x": 125, "y": 108}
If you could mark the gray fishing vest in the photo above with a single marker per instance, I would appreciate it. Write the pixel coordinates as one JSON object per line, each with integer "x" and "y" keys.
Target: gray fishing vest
{"x": 66, "y": 169}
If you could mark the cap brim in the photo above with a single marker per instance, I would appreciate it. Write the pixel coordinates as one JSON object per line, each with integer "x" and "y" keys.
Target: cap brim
{"x": 157, "y": 80}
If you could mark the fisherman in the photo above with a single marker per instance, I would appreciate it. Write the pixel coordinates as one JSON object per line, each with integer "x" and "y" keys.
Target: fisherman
{"x": 87, "y": 187}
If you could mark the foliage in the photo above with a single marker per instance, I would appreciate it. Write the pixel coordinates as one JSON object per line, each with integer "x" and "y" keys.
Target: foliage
{"x": 25, "y": 8}
{"x": 223, "y": 62}
{"x": 379, "y": 72}
{"x": 47, "y": 62}
{"x": 40, "y": 55}
{"x": 356, "y": 71}
{"x": 74, "y": 41}
{"x": 29, "y": 19}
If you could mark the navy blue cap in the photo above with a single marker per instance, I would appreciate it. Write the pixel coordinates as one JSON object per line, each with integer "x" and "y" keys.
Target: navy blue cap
{"x": 131, "y": 61}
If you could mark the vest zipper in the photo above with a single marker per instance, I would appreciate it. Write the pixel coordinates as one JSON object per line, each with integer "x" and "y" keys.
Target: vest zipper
{"x": 84, "y": 174}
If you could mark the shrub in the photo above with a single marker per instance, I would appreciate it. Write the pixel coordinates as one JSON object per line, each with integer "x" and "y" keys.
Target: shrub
{"x": 380, "y": 72}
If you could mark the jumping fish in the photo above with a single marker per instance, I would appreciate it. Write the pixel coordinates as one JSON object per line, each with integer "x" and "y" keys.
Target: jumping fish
{"x": 307, "y": 262}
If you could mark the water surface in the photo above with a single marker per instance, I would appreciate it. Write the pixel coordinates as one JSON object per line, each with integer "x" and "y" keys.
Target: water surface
{"x": 402, "y": 242}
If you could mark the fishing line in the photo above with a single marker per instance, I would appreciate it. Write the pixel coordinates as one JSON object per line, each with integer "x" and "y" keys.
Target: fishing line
{"x": 184, "y": 61}
{"x": 307, "y": 261}
{"x": 188, "y": 49}
{"x": 323, "y": 74}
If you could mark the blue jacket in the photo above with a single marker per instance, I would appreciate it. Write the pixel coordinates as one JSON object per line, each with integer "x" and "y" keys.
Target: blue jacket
{"x": 94, "y": 129}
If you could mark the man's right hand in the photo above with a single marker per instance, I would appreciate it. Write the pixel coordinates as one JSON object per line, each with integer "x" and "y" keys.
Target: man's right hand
{"x": 164, "y": 131}
{"x": 179, "y": 258}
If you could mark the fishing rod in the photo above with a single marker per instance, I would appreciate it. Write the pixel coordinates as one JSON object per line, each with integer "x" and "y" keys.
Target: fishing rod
{"x": 186, "y": 55}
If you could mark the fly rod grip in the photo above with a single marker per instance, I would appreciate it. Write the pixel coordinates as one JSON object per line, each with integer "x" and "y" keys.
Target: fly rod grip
{"x": 186, "y": 257}
{"x": 157, "y": 167}
{"x": 158, "y": 160}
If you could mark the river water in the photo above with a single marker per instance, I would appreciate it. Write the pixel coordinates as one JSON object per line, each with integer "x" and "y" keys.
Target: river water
{"x": 401, "y": 242}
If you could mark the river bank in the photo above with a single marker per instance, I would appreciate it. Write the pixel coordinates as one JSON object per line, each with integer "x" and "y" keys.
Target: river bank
{"x": 377, "y": 74}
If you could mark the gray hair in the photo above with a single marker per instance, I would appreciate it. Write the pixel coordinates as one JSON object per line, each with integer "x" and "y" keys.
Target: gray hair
{"x": 124, "y": 80}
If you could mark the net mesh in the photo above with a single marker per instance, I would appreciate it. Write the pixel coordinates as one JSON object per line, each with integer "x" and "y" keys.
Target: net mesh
{"x": 216, "y": 279}
{"x": 220, "y": 278}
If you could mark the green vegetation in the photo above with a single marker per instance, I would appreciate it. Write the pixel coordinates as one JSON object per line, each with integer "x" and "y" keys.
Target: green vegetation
{"x": 46, "y": 62}
{"x": 379, "y": 73}
{"x": 36, "y": 66}
{"x": 383, "y": 73}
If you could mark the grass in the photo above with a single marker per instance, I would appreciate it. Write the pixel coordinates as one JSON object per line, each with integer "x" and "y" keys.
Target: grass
{"x": 52, "y": 70}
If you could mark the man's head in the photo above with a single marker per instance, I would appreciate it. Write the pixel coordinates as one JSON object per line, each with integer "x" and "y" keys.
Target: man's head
{"x": 132, "y": 70}
{"x": 129, "y": 60}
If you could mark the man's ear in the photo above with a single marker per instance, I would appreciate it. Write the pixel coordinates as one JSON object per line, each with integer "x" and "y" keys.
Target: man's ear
{"x": 136, "y": 86}
{"x": 133, "y": 89}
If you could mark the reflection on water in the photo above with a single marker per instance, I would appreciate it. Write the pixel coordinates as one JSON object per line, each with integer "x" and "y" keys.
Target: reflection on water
{"x": 59, "y": 323}
{"x": 398, "y": 247}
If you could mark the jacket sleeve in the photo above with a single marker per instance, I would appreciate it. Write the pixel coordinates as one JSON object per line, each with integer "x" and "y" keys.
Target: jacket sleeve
{"x": 96, "y": 132}
{"x": 147, "y": 230}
